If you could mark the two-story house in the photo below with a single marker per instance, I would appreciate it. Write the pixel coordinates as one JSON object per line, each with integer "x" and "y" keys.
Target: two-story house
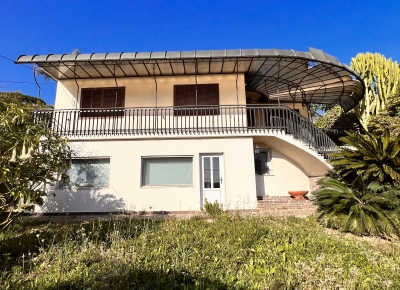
{"x": 164, "y": 131}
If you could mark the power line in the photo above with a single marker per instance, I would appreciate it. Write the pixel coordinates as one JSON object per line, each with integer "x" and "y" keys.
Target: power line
{"x": 13, "y": 61}
{"x": 19, "y": 82}
{"x": 6, "y": 58}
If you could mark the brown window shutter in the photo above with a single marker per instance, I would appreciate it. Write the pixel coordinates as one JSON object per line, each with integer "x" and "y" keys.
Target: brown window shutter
{"x": 180, "y": 96}
{"x": 207, "y": 95}
{"x": 191, "y": 95}
{"x": 86, "y": 101}
{"x": 97, "y": 98}
{"x": 102, "y": 98}
{"x": 202, "y": 99}
{"x": 120, "y": 97}
{"x": 213, "y": 95}
{"x": 109, "y": 98}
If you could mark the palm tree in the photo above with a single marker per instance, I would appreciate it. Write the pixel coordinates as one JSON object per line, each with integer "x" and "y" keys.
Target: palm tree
{"x": 370, "y": 156}
{"x": 361, "y": 209}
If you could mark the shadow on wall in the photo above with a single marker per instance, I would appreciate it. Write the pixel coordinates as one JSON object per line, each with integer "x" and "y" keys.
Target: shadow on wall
{"x": 82, "y": 200}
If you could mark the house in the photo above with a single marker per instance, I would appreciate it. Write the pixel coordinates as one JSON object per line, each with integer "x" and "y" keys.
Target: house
{"x": 165, "y": 131}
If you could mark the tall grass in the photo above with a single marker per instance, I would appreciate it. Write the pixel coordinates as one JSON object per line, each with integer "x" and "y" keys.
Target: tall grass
{"x": 229, "y": 252}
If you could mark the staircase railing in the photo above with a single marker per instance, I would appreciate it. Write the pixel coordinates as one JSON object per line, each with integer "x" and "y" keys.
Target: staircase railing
{"x": 214, "y": 120}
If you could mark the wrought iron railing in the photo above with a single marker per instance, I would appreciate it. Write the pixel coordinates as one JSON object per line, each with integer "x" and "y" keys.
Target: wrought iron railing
{"x": 211, "y": 120}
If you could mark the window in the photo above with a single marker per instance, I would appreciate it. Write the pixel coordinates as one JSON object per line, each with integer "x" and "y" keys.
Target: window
{"x": 89, "y": 172}
{"x": 167, "y": 171}
{"x": 102, "y": 98}
{"x": 185, "y": 96}
{"x": 211, "y": 172}
{"x": 262, "y": 162}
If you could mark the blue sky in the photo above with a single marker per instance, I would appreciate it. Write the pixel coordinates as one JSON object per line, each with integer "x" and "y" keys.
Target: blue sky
{"x": 340, "y": 28}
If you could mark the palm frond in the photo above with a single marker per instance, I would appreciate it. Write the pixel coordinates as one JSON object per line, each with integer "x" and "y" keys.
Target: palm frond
{"x": 370, "y": 156}
{"x": 372, "y": 209}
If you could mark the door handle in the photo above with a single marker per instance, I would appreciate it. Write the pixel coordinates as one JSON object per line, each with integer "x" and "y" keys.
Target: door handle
{"x": 221, "y": 179}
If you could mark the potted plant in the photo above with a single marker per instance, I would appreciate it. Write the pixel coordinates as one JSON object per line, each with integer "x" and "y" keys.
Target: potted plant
{"x": 299, "y": 194}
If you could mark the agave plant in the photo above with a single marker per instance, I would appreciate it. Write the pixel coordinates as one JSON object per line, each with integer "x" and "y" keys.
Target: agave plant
{"x": 372, "y": 157}
{"x": 360, "y": 209}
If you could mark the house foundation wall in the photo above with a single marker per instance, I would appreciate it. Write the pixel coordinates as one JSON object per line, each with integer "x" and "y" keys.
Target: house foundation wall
{"x": 286, "y": 206}
{"x": 126, "y": 192}
{"x": 313, "y": 183}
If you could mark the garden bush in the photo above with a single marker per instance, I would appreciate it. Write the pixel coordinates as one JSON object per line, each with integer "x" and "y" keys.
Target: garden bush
{"x": 361, "y": 194}
{"x": 212, "y": 209}
{"x": 373, "y": 157}
{"x": 360, "y": 209}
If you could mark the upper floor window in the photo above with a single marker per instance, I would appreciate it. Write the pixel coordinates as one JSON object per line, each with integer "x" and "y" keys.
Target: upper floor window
{"x": 102, "y": 98}
{"x": 202, "y": 103}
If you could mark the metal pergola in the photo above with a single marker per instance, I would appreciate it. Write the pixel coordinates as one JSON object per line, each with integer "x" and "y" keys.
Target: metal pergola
{"x": 277, "y": 75}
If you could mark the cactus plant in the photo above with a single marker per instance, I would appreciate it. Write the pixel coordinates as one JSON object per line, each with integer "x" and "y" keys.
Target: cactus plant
{"x": 381, "y": 78}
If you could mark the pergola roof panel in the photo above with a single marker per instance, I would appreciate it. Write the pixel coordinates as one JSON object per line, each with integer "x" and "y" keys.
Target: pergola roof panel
{"x": 203, "y": 67}
{"x": 215, "y": 67}
{"x": 178, "y": 68}
{"x": 165, "y": 67}
{"x": 157, "y": 55}
{"x": 313, "y": 76}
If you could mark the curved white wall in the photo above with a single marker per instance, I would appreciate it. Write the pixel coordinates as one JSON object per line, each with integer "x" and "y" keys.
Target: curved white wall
{"x": 286, "y": 175}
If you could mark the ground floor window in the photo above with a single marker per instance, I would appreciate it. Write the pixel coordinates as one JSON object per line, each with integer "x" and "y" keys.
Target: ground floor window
{"x": 167, "y": 171}
{"x": 262, "y": 162}
{"x": 89, "y": 172}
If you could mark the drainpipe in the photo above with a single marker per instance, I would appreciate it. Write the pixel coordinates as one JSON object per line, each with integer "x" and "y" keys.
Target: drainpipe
{"x": 39, "y": 88}
{"x": 116, "y": 92}
{"x": 155, "y": 112}
{"x": 237, "y": 76}
{"x": 77, "y": 88}
{"x": 155, "y": 80}
{"x": 195, "y": 77}
{"x": 277, "y": 82}
{"x": 279, "y": 100}
{"x": 77, "y": 85}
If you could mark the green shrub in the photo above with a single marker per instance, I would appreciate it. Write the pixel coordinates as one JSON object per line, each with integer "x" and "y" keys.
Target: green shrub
{"x": 360, "y": 209}
{"x": 213, "y": 210}
{"x": 335, "y": 118}
{"x": 370, "y": 156}
{"x": 388, "y": 119}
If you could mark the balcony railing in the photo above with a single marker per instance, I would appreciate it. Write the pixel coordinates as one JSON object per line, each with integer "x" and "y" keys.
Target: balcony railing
{"x": 207, "y": 120}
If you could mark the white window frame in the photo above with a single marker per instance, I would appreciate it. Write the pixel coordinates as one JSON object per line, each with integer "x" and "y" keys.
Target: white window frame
{"x": 142, "y": 171}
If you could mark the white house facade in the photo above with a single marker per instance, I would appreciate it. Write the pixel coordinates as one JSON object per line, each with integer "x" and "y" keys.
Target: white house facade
{"x": 165, "y": 131}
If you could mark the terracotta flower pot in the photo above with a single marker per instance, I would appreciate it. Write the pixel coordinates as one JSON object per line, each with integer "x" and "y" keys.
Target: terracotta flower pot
{"x": 300, "y": 194}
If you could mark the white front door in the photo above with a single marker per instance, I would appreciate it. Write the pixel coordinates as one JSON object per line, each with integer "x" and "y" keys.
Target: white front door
{"x": 212, "y": 179}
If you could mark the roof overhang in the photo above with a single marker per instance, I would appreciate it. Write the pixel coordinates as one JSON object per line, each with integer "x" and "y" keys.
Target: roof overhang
{"x": 285, "y": 75}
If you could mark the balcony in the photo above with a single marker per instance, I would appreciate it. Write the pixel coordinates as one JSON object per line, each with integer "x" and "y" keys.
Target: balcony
{"x": 250, "y": 120}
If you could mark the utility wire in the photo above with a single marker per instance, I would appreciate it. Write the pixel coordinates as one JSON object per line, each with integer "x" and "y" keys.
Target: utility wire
{"x": 30, "y": 83}
{"x": 13, "y": 61}
{"x": 19, "y": 82}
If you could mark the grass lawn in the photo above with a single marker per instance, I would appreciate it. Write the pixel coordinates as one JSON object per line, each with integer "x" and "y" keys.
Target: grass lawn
{"x": 230, "y": 252}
